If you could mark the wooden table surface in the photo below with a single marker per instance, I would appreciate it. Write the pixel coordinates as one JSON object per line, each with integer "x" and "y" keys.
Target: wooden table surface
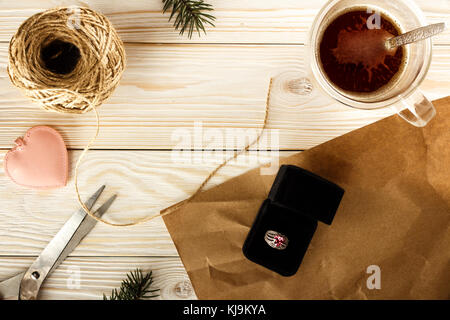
{"x": 171, "y": 82}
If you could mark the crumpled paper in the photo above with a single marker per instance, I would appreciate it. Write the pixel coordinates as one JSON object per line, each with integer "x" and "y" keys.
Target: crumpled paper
{"x": 395, "y": 214}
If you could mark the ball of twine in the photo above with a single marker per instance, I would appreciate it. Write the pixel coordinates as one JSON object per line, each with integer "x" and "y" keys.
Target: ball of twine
{"x": 68, "y": 60}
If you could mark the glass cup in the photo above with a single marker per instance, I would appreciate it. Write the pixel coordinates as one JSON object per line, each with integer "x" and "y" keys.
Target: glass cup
{"x": 405, "y": 97}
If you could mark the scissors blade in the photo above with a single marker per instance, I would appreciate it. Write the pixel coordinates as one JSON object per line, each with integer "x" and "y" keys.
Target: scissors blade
{"x": 9, "y": 288}
{"x": 85, "y": 227}
{"x": 49, "y": 257}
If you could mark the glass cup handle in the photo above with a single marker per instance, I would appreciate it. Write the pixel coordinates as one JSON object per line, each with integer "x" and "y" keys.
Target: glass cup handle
{"x": 416, "y": 109}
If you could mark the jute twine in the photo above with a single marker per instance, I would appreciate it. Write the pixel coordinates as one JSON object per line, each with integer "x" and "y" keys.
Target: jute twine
{"x": 89, "y": 36}
{"x": 95, "y": 75}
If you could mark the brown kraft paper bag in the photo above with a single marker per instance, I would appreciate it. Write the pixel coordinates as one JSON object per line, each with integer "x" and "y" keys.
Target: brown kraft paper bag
{"x": 395, "y": 214}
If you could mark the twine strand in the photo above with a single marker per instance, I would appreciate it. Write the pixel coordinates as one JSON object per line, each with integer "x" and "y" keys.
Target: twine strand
{"x": 178, "y": 205}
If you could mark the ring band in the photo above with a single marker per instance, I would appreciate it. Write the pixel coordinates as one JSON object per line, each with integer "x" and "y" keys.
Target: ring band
{"x": 276, "y": 240}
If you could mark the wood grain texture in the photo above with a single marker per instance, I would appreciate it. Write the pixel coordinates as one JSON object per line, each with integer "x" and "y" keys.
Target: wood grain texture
{"x": 100, "y": 275}
{"x": 145, "y": 181}
{"x": 257, "y": 21}
{"x": 167, "y": 88}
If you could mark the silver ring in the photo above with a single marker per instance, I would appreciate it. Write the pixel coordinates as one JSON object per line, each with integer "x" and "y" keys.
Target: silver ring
{"x": 276, "y": 240}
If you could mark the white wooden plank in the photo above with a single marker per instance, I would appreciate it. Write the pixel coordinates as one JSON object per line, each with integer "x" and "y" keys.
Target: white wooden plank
{"x": 90, "y": 278}
{"x": 145, "y": 181}
{"x": 166, "y": 88}
{"x": 262, "y": 21}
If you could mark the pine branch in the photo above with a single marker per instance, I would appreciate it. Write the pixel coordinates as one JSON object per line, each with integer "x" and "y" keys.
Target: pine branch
{"x": 134, "y": 287}
{"x": 191, "y": 15}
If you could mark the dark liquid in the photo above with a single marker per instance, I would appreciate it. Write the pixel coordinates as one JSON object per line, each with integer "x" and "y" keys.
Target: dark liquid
{"x": 354, "y": 57}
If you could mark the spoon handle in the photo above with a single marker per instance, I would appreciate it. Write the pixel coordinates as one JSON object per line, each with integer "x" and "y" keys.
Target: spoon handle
{"x": 415, "y": 35}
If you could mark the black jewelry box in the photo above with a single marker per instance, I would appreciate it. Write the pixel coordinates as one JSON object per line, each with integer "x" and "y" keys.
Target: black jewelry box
{"x": 297, "y": 200}
{"x": 297, "y": 228}
{"x": 303, "y": 191}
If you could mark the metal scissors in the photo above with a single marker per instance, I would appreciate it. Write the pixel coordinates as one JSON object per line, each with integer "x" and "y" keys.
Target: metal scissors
{"x": 26, "y": 285}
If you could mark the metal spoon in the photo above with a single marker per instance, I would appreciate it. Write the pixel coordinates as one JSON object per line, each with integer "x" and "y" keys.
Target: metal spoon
{"x": 415, "y": 35}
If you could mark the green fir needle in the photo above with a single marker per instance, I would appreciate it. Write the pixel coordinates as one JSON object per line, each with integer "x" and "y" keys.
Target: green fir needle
{"x": 190, "y": 15}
